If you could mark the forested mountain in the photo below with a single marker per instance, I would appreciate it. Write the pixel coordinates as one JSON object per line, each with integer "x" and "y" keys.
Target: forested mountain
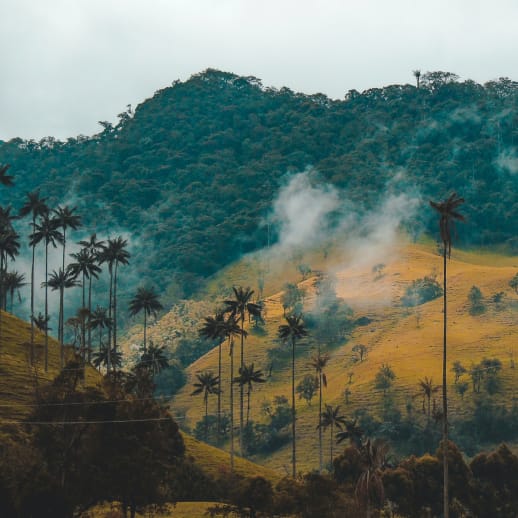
{"x": 192, "y": 172}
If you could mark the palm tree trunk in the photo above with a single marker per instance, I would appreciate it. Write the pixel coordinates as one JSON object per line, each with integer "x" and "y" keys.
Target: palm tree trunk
{"x": 83, "y": 322}
{"x": 219, "y": 390}
{"x": 331, "y": 446}
{"x": 241, "y": 387}
{"x": 60, "y": 326}
{"x": 145, "y": 325}
{"x": 89, "y": 316}
{"x": 206, "y": 418}
{"x": 31, "y": 355}
{"x": 248, "y": 404}
{"x": 446, "y": 510}
{"x": 320, "y": 460}
{"x": 293, "y": 450}
{"x": 115, "y": 308}
{"x": 46, "y": 307}
{"x": 110, "y": 319}
{"x": 231, "y": 405}
{"x": 1, "y": 291}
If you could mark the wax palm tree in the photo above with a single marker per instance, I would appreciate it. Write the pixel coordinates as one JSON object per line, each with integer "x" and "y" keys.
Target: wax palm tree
{"x": 85, "y": 265}
{"x": 292, "y": 331}
{"x": 61, "y": 280}
{"x": 105, "y": 358}
{"x": 145, "y": 300}
{"x": 448, "y": 214}
{"x": 242, "y": 306}
{"x": 5, "y": 179}
{"x": 427, "y": 389}
{"x": 47, "y": 230}
{"x": 214, "y": 328}
{"x": 99, "y": 319}
{"x": 113, "y": 253}
{"x": 41, "y": 322}
{"x": 9, "y": 247}
{"x": 329, "y": 419}
{"x": 248, "y": 376}
{"x": 67, "y": 219}
{"x": 352, "y": 432}
{"x": 207, "y": 384}
{"x": 13, "y": 282}
{"x": 370, "y": 483}
{"x": 36, "y": 207}
{"x": 94, "y": 246}
{"x": 319, "y": 363}
{"x": 154, "y": 359}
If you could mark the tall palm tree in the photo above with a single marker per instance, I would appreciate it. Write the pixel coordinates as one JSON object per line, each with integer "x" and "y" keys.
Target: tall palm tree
{"x": 5, "y": 179}
{"x": 241, "y": 306}
{"x": 154, "y": 358}
{"x": 67, "y": 219}
{"x": 353, "y": 433}
{"x": 13, "y": 282}
{"x": 293, "y": 330}
{"x": 113, "y": 253}
{"x": 207, "y": 384}
{"x": 61, "y": 280}
{"x": 105, "y": 358}
{"x": 214, "y": 328}
{"x": 36, "y": 207}
{"x": 319, "y": 363}
{"x": 99, "y": 319}
{"x": 94, "y": 246}
{"x": 330, "y": 418}
{"x": 86, "y": 266}
{"x": 370, "y": 482}
{"x": 9, "y": 248}
{"x": 145, "y": 300}
{"x": 47, "y": 230}
{"x": 248, "y": 376}
{"x": 448, "y": 214}
{"x": 427, "y": 389}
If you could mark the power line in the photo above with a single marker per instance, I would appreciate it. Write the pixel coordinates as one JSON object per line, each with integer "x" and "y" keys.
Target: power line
{"x": 102, "y": 421}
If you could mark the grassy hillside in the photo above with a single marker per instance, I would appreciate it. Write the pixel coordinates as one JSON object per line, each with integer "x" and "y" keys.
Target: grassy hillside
{"x": 409, "y": 339}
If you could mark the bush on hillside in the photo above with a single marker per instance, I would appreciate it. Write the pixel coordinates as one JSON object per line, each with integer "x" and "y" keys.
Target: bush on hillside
{"x": 421, "y": 291}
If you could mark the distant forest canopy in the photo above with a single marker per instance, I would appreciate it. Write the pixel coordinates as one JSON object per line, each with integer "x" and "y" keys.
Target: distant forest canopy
{"x": 193, "y": 171}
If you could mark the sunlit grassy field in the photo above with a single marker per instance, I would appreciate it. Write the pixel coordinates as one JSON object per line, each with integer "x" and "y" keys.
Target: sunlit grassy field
{"x": 408, "y": 339}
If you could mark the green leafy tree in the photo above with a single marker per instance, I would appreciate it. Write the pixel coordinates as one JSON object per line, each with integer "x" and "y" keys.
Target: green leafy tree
{"x": 292, "y": 331}
{"x": 360, "y": 350}
{"x": 5, "y": 179}
{"x": 145, "y": 300}
{"x": 384, "y": 378}
{"x": 476, "y": 305}
{"x": 513, "y": 283}
{"x": 307, "y": 387}
{"x": 448, "y": 214}
{"x": 458, "y": 369}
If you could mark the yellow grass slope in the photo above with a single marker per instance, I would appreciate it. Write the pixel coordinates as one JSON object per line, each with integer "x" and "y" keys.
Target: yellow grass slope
{"x": 409, "y": 340}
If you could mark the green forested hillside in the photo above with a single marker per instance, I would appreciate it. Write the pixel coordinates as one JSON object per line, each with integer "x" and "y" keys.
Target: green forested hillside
{"x": 191, "y": 172}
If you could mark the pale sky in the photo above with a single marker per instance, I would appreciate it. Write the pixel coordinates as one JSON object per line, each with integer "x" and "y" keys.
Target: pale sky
{"x": 66, "y": 64}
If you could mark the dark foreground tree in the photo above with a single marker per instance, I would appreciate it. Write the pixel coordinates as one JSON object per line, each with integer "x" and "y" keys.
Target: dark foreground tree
{"x": 145, "y": 300}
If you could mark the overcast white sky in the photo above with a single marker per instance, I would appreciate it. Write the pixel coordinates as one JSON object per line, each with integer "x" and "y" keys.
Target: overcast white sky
{"x": 66, "y": 64}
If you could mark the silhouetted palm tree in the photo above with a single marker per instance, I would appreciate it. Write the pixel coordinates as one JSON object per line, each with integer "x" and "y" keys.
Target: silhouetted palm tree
{"x": 9, "y": 247}
{"x": 145, "y": 300}
{"x": 427, "y": 389}
{"x": 214, "y": 328}
{"x": 99, "y": 319}
{"x": 207, "y": 384}
{"x": 94, "y": 247}
{"x": 154, "y": 358}
{"x": 114, "y": 253}
{"x": 61, "y": 280}
{"x": 240, "y": 307}
{"x": 41, "y": 322}
{"x": 319, "y": 363}
{"x": 47, "y": 230}
{"x": 248, "y": 376}
{"x": 448, "y": 214}
{"x": 370, "y": 483}
{"x": 66, "y": 219}
{"x": 352, "y": 432}
{"x": 103, "y": 358}
{"x": 36, "y": 207}
{"x": 330, "y": 418}
{"x": 5, "y": 179}
{"x": 292, "y": 331}
{"x": 13, "y": 282}
{"x": 85, "y": 266}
